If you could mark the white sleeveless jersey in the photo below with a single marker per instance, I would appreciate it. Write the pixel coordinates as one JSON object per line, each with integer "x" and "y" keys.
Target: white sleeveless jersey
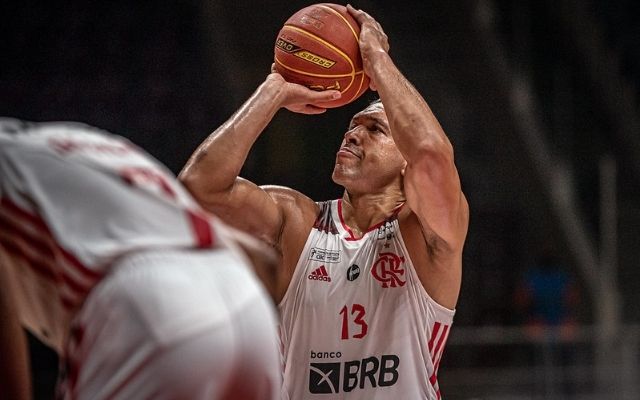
{"x": 356, "y": 322}
{"x": 73, "y": 199}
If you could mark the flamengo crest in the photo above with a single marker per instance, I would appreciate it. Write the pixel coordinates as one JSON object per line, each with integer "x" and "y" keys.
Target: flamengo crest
{"x": 388, "y": 270}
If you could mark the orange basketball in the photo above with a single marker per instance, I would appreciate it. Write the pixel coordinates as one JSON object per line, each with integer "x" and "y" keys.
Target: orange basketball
{"x": 318, "y": 47}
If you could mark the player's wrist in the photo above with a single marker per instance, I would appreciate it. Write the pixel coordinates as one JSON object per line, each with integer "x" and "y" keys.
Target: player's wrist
{"x": 377, "y": 61}
{"x": 273, "y": 89}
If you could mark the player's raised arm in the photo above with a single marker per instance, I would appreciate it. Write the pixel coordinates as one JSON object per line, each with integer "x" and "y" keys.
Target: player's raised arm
{"x": 211, "y": 174}
{"x": 432, "y": 184}
{"x": 431, "y": 181}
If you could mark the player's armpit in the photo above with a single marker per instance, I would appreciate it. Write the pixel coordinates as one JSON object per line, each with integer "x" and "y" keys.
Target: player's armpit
{"x": 264, "y": 259}
{"x": 434, "y": 194}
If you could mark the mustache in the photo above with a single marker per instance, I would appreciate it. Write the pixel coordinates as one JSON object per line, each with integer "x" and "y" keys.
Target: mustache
{"x": 352, "y": 149}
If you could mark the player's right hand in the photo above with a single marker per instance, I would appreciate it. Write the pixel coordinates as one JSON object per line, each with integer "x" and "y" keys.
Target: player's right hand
{"x": 299, "y": 98}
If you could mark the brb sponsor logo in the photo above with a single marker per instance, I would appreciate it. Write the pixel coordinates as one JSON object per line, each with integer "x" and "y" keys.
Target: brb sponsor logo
{"x": 334, "y": 377}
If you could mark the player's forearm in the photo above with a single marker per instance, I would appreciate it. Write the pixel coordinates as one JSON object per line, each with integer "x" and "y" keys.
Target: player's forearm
{"x": 415, "y": 128}
{"x": 217, "y": 162}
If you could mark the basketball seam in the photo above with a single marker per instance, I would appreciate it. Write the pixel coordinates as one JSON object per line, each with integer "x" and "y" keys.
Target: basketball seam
{"x": 355, "y": 35}
{"x": 355, "y": 95}
{"x": 321, "y": 40}
{"x": 351, "y": 75}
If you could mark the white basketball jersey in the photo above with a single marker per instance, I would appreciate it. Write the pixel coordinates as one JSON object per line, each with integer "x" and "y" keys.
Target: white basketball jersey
{"x": 73, "y": 199}
{"x": 356, "y": 322}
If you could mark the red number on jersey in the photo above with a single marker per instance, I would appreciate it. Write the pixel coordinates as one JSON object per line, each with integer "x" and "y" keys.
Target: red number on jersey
{"x": 357, "y": 312}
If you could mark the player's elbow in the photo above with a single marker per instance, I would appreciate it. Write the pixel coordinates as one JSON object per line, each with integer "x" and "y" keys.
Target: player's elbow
{"x": 431, "y": 146}
{"x": 200, "y": 185}
{"x": 192, "y": 181}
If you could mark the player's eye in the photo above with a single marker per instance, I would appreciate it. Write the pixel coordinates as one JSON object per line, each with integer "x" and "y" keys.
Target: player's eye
{"x": 375, "y": 128}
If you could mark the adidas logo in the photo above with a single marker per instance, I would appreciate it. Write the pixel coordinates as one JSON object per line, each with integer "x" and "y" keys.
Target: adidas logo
{"x": 319, "y": 274}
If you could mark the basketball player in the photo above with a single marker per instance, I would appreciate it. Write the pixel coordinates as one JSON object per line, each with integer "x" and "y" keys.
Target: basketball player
{"x": 369, "y": 282}
{"x": 109, "y": 261}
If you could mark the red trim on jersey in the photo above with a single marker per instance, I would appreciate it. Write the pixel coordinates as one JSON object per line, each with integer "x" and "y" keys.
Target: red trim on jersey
{"x": 202, "y": 230}
{"x": 344, "y": 225}
{"x": 352, "y": 236}
{"x": 436, "y": 352}
{"x": 38, "y": 222}
{"x": 440, "y": 342}
{"x": 433, "y": 379}
{"x": 39, "y": 249}
{"x": 17, "y": 248}
{"x": 87, "y": 272}
{"x": 40, "y": 254}
{"x": 21, "y": 213}
{"x": 436, "y": 328}
{"x": 45, "y": 248}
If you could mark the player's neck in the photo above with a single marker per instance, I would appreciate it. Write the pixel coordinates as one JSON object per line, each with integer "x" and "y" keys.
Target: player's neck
{"x": 360, "y": 212}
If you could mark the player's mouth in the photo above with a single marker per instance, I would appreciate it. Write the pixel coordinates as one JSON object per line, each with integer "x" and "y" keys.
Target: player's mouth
{"x": 348, "y": 152}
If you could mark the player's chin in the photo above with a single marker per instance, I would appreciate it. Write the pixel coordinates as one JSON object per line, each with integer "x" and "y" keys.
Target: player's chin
{"x": 340, "y": 173}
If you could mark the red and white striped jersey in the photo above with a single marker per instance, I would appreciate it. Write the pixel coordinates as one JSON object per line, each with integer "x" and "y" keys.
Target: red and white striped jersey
{"x": 355, "y": 321}
{"x": 74, "y": 199}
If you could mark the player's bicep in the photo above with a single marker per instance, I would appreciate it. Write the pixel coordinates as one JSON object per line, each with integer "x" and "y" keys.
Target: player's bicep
{"x": 248, "y": 207}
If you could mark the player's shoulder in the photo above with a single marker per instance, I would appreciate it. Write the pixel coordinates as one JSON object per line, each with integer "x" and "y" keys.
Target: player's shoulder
{"x": 290, "y": 198}
{"x": 298, "y": 209}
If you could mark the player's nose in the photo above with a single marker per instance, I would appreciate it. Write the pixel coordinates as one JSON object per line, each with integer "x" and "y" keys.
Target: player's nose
{"x": 352, "y": 135}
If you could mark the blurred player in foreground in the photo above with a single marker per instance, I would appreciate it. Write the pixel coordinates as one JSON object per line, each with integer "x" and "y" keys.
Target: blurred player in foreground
{"x": 107, "y": 259}
{"x": 369, "y": 282}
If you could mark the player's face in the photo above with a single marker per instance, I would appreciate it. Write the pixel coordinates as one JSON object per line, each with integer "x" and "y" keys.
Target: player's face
{"x": 368, "y": 158}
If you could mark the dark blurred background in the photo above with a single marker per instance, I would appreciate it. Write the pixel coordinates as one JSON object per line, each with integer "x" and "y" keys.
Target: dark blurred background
{"x": 540, "y": 99}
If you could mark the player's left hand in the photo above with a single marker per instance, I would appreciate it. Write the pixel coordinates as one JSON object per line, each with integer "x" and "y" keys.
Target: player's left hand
{"x": 373, "y": 40}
